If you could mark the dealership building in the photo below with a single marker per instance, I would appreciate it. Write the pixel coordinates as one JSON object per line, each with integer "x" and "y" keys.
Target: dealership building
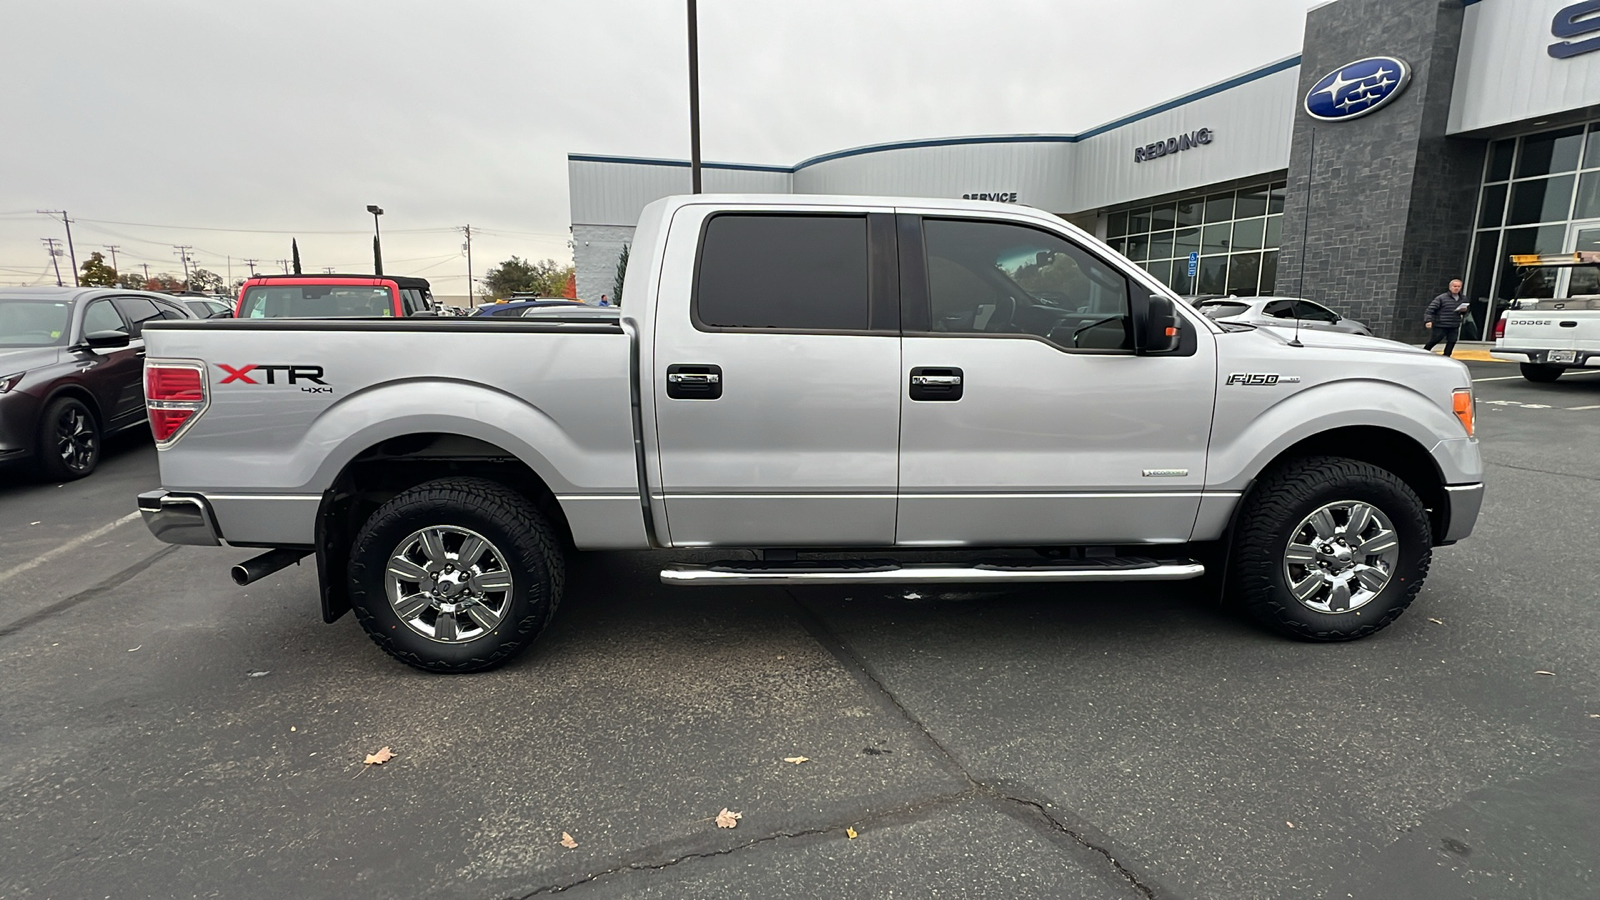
{"x": 1410, "y": 142}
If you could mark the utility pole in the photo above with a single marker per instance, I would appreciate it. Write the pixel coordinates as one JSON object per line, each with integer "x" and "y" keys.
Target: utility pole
{"x": 55, "y": 257}
{"x": 377, "y": 239}
{"x": 694, "y": 97}
{"x": 113, "y": 248}
{"x": 467, "y": 230}
{"x": 252, "y": 264}
{"x": 146, "y": 271}
{"x": 285, "y": 264}
{"x": 328, "y": 269}
{"x": 67, "y": 225}
{"x": 183, "y": 254}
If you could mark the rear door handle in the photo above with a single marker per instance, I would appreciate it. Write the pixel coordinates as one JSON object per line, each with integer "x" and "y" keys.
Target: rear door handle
{"x": 931, "y": 383}
{"x": 694, "y": 381}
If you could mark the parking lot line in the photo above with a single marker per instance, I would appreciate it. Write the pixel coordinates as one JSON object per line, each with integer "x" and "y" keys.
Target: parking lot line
{"x": 1496, "y": 378}
{"x": 68, "y": 547}
{"x": 1575, "y": 408}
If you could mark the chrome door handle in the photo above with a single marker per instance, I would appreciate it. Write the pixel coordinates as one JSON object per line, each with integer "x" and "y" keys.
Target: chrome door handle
{"x": 950, "y": 380}
{"x": 694, "y": 378}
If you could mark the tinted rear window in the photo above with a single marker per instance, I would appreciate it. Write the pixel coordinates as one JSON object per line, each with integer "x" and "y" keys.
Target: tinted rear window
{"x": 794, "y": 272}
{"x": 316, "y": 301}
{"x": 1222, "y": 310}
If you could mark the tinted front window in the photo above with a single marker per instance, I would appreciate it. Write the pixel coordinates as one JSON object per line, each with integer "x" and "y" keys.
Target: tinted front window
{"x": 791, "y": 272}
{"x": 34, "y": 323}
{"x": 137, "y": 310}
{"x": 102, "y": 316}
{"x": 999, "y": 278}
{"x": 316, "y": 301}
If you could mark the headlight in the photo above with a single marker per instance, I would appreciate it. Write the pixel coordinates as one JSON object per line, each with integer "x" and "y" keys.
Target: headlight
{"x": 8, "y": 382}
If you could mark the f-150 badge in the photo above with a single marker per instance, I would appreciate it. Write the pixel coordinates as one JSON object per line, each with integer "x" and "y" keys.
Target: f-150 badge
{"x": 1262, "y": 378}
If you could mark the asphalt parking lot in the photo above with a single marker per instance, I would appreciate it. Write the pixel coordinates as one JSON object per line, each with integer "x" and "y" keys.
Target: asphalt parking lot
{"x": 165, "y": 733}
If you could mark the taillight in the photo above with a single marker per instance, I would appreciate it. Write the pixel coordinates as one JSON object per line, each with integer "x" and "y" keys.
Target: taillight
{"x": 1500, "y": 328}
{"x": 175, "y": 395}
{"x": 1462, "y": 403}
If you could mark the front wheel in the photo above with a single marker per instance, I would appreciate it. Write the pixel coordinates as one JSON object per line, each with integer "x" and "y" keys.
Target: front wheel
{"x": 455, "y": 575}
{"x": 69, "y": 440}
{"x": 1543, "y": 374}
{"x": 1329, "y": 549}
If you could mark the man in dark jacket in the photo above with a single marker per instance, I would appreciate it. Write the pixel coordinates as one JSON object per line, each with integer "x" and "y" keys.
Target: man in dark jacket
{"x": 1443, "y": 317}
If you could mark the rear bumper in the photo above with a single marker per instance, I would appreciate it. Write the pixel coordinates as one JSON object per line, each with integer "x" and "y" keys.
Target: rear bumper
{"x": 1582, "y": 358}
{"x": 179, "y": 518}
{"x": 1465, "y": 500}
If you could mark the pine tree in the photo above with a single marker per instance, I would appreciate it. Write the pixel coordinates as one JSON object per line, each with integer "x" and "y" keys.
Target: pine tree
{"x": 622, "y": 270}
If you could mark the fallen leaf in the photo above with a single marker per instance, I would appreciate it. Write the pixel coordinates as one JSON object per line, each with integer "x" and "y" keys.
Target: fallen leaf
{"x": 850, "y": 833}
{"x": 1435, "y": 621}
{"x": 379, "y": 758}
{"x": 1543, "y": 672}
{"x": 1290, "y": 824}
{"x": 727, "y": 819}
{"x": 567, "y": 841}
{"x": 797, "y": 760}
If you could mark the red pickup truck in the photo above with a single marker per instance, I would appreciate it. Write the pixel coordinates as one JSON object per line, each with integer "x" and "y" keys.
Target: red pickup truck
{"x": 333, "y": 296}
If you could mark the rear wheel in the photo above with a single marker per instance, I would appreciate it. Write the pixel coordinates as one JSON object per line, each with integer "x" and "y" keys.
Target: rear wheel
{"x": 1544, "y": 374}
{"x": 69, "y": 440}
{"x": 1329, "y": 549}
{"x": 455, "y": 575}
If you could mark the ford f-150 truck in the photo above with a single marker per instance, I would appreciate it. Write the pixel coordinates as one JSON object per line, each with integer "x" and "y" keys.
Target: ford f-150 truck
{"x": 1554, "y": 321}
{"x": 859, "y": 390}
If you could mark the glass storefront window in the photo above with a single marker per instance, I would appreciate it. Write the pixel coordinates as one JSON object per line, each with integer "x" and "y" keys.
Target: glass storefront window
{"x": 1138, "y": 247}
{"x": 1500, "y": 153}
{"x": 1116, "y": 243}
{"x": 1163, "y": 217}
{"x": 1552, "y": 151}
{"x": 1213, "y": 275}
{"x": 1588, "y": 205}
{"x": 1252, "y": 202}
{"x": 1190, "y": 212}
{"x": 1540, "y": 200}
{"x": 1138, "y": 220}
{"x": 1214, "y": 239}
{"x": 1181, "y": 282}
{"x": 1247, "y": 234}
{"x": 1185, "y": 242}
{"x": 1219, "y": 207}
{"x": 1493, "y": 209}
{"x": 1269, "y": 272}
{"x": 1274, "y": 236}
{"x": 1117, "y": 224}
{"x": 1244, "y": 274}
{"x": 1161, "y": 245}
{"x": 1161, "y": 270}
{"x": 1275, "y": 198}
{"x": 1591, "y": 154}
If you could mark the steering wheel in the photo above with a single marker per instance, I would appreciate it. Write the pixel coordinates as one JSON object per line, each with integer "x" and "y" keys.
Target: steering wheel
{"x": 1077, "y": 332}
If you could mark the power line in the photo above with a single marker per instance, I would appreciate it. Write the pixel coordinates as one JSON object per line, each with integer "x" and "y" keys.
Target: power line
{"x": 260, "y": 230}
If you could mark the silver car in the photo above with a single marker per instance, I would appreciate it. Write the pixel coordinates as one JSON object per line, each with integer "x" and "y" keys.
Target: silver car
{"x": 1280, "y": 311}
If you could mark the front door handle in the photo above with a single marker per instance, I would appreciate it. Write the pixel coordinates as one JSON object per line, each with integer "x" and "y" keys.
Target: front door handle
{"x": 694, "y": 381}
{"x": 936, "y": 383}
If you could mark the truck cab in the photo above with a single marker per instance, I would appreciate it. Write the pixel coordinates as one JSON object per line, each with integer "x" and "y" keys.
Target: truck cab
{"x": 333, "y": 296}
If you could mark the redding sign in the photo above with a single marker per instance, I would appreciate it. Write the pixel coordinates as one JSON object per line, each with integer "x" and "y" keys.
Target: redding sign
{"x": 1171, "y": 145}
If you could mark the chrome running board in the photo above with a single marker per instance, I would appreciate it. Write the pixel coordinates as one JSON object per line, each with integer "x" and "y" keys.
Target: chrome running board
{"x": 877, "y": 571}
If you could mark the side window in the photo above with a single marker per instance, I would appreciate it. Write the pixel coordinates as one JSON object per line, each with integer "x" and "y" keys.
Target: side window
{"x": 102, "y": 316}
{"x": 792, "y": 272}
{"x": 1002, "y": 278}
{"x": 172, "y": 312}
{"x": 137, "y": 310}
{"x": 1279, "y": 309}
{"x": 1314, "y": 313}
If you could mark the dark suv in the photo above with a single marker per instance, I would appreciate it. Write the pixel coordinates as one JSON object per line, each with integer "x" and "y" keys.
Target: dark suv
{"x": 72, "y": 371}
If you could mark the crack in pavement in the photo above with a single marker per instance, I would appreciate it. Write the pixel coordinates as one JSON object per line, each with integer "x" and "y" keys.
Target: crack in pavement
{"x": 87, "y": 594}
{"x": 1507, "y": 465}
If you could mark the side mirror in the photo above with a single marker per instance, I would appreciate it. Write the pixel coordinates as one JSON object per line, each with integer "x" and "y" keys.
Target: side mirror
{"x": 106, "y": 340}
{"x": 1155, "y": 324}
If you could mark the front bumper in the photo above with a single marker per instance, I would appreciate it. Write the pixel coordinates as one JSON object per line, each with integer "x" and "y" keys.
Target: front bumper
{"x": 19, "y": 425}
{"x": 179, "y": 518}
{"x": 1465, "y": 500}
{"x": 1582, "y": 358}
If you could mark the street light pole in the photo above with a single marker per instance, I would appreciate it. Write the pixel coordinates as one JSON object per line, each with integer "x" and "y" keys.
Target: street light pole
{"x": 377, "y": 239}
{"x": 694, "y": 98}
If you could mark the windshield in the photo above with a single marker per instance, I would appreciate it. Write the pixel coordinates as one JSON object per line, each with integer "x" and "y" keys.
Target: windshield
{"x": 1220, "y": 309}
{"x": 316, "y": 301}
{"x": 34, "y": 323}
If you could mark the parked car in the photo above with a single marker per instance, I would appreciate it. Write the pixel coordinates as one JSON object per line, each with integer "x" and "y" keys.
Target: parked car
{"x": 1279, "y": 312}
{"x": 208, "y": 307}
{"x": 334, "y": 297}
{"x": 512, "y": 309}
{"x": 1553, "y": 323}
{"x": 71, "y": 371}
{"x": 1006, "y": 384}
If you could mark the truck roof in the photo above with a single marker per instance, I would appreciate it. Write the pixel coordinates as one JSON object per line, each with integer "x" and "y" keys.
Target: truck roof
{"x": 405, "y": 281}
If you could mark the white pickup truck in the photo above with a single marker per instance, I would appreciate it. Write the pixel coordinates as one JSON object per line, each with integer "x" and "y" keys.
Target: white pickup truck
{"x": 1554, "y": 322}
{"x": 859, "y": 390}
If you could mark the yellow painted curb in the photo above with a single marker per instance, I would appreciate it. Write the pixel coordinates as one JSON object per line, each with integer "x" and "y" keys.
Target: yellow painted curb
{"x": 1474, "y": 355}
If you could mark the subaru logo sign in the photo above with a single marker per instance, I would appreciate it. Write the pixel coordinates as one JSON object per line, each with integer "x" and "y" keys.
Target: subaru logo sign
{"x": 1355, "y": 89}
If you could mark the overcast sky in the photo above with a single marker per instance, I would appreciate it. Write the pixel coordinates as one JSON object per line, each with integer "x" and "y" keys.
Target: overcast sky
{"x": 243, "y": 124}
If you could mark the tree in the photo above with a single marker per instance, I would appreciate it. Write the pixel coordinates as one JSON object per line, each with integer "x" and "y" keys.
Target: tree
{"x": 132, "y": 281}
{"x": 163, "y": 282}
{"x": 96, "y": 273}
{"x": 205, "y": 281}
{"x": 546, "y": 278}
{"x": 616, "y": 284}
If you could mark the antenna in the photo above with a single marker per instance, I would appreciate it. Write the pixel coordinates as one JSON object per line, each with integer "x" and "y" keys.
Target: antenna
{"x": 1295, "y": 306}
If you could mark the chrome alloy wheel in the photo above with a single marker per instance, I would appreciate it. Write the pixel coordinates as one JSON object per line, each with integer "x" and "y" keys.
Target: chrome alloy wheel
{"x": 448, "y": 584}
{"x": 75, "y": 438}
{"x": 1341, "y": 557}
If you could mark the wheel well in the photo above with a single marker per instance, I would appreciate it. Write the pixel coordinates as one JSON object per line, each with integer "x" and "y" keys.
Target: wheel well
{"x": 1386, "y": 449}
{"x": 383, "y": 470}
{"x": 82, "y": 395}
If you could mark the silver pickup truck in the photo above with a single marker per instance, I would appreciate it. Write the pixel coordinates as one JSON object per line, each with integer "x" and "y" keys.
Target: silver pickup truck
{"x": 859, "y": 390}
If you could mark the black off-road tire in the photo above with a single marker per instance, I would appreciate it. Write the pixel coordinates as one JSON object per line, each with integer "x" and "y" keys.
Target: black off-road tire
{"x": 1543, "y": 374}
{"x": 503, "y": 516}
{"x": 47, "y": 451}
{"x": 1281, "y": 500}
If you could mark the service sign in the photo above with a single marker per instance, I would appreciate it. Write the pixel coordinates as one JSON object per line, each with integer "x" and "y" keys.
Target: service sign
{"x": 1356, "y": 89}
